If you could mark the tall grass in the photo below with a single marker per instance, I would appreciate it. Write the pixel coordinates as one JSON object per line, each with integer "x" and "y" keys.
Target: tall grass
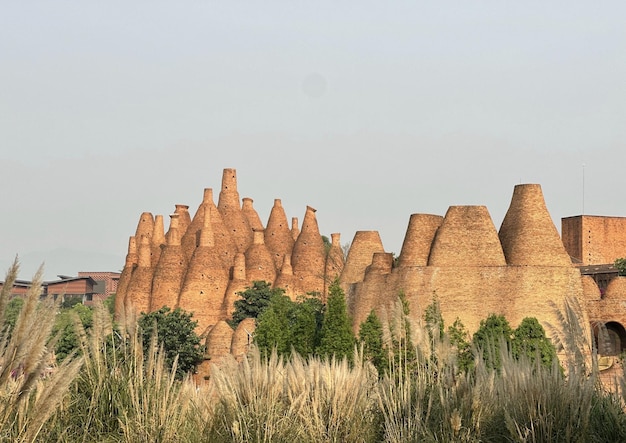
{"x": 116, "y": 392}
{"x": 31, "y": 384}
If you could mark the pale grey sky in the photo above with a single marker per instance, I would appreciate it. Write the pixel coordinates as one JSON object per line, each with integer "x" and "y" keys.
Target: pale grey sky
{"x": 367, "y": 111}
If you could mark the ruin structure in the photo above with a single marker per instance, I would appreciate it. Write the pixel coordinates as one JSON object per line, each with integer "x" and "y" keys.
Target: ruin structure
{"x": 473, "y": 269}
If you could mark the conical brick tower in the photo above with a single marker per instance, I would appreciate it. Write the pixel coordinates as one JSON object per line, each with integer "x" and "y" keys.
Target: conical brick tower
{"x": 309, "y": 255}
{"x": 224, "y": 242}
{"x": 238, "y": 283}
{"x": 206, "y": 281}
{"x": 190, "y": 239}
{"x": 334, "y": 260}
{"x": 286, "y": 280}
{"x": 252, "y": 216}
{"x": 278, "y": 238}
{"x": 242, "y": 338}
{"x": 418, "y": 239}
{"x": 362, "y": 249}
{"x": 382, "y": 262}
{"x": 184, "y": 220}
{"x": 259, "y": 261}
{"x": 527, "y": 234}
{"x": 218, "y": 342}
{"x": 230, "y": 209}
{"x": 466, "y": 237}
{"x": 169, "y": 272}
{"x": 122, "y": 285}
{"x": 158, "y": 240}
{"x": 145, "y": 226}
{"x": 139, "y": 289}
{"x": 295, "y": 230}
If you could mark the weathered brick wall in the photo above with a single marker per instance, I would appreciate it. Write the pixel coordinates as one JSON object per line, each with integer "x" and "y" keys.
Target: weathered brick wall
{"x": 595, "y": 239}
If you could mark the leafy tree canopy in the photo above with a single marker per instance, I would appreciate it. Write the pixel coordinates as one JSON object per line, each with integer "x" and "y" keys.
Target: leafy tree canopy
{"x": 620, "y": 264}
{"x": 287, "y": 325}
{"x": 494, "y": 333}
{"x": 176, "y": 333}
{"x": 371, "y": 338}
{"x": 336, "y": 335}
{"x": 530, "y": 341}
{"x": 254, "y": 300}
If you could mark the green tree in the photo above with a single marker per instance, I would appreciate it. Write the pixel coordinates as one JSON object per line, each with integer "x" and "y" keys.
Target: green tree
{"x": 287, "y": 325}
{"x": 434, "y": 319}
{"x": 460, "y": 339}
{"x": 175, "y": 331}
{"x": 336, "y": 338}
{"x": 530, "y": 341}
{"x": 493, "y": 334}
{"x": 11, "y": 313}
{"x": 273, "y": 326}
{"x": 306, "y": 325}
{"x": 620, "y": 264}
{"x": 254, "y": 300}
{"x": 65, "y": 327}
{"x": 371, "y": 338}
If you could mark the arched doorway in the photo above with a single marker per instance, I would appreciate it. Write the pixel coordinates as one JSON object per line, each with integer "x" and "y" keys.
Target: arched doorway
{"x": 610, "y": 338}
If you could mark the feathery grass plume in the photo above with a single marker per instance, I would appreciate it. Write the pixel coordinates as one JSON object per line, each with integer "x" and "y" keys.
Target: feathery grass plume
{"x": 30, "y": 387}
{"x": 5, "y": 293}
{"x": 331, "y": 399}
{"x": 251, "y": 399}
{"x": 159, "y": 403}
{"x": 572, "y": 337}
{"x": 427, "y": 400}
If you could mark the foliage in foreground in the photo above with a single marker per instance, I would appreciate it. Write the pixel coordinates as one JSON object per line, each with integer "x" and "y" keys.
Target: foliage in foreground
{"x": 117, "y": 392}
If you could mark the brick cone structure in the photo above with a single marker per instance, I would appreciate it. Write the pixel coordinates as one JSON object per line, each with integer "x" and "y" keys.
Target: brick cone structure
{"x": 278, "y": 237}
{"x": 224, "y": 242}
{"x": 527, "y": 234}
{"x": 334, "y": 261}
{"x": 191, "y": 237}
{"x": 184, "y": 219}
{"x": 308, "y": 257}
{"x": 418, "y": 239}
{"x": 473, "y": 270}
{"x": 122, "y": 285}
{"x": 259, "y": 260}
{"x": 205, "y": 282}
{"x": 295, "y": 230}
{"x": 139, "y": 291}
{"x": 251, "y": 215}
{"x": 238, "y": 283}
{"x": 158, "y": 240}
{"x": 169, "y": 272}
{"x": 363, "y": 246}
{"x": 466, "y": 237}
{"x": 286, "y": 280}
{"x": 229, "y": 207}
{"x": 218, "y": 342}
{"x": 468, "y": 273}
{"x": 242, "y": 338}
{"x": 145, "y": 225}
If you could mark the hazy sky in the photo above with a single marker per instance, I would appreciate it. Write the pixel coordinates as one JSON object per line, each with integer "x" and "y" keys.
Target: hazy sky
{"x": 367, "y": 111}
